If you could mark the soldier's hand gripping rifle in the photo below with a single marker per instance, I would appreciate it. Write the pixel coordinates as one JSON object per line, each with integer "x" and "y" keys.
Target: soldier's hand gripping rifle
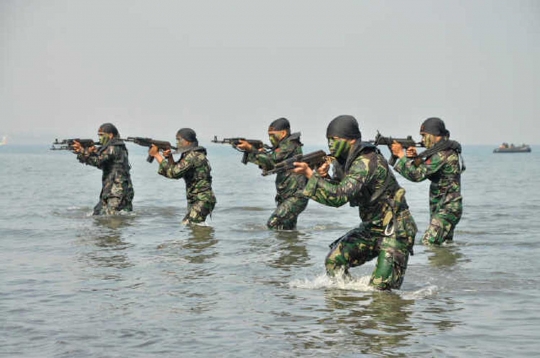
{"x": 313, "y": 159}
{"x": 405, "y": 142}
{"x": 67, "y": 144}
{"x": 257, "y": 145}
{"x": 148, "y": 142}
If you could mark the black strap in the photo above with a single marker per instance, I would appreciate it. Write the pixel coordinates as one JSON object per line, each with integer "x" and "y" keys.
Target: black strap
{"x": 439, "y": 147}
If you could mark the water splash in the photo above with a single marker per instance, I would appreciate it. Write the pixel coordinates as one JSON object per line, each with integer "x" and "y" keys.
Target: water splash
{"x": 324, "y": 281}
{"x": 424, "y": 292}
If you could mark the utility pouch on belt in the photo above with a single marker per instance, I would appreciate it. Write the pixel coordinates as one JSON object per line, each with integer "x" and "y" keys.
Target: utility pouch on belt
{"x": 389, "y": 220}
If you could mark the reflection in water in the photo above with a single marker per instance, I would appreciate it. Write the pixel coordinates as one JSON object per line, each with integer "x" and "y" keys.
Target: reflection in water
{"x": 444, "y": 256}
{"x": 375, "y": 322}
{"x": 189, "y": 261}
{"x": 196, "y": 249}
{"x": 355, "y": 323}
{"x": 291, "y": 251}
{"x": 110, "y": 252}
{"x": 107, "y": 248}
{"x": 442, "y": 314}
{"x": 114, "y": 222}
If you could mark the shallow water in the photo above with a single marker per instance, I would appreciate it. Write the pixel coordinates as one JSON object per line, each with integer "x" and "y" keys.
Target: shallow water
{"x": 141, "y": 285}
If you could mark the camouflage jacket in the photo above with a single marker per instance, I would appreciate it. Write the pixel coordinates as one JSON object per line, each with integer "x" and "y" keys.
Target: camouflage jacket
{"x": 288, "y": 184}
{"x": 194, "y": 167}
{"x": 442, "y": 169}
{"x": 364, "y": 180}
{"x": 113, "y": 160}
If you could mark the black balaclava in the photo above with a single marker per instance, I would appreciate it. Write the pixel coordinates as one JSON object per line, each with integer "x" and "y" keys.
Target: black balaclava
{"x": 109, "y": 128}
{"x": 434, "y": 126}
{"x": 188, "y": 134}
{"x": 280, "y": 124}
{"x": 344, "y": 126}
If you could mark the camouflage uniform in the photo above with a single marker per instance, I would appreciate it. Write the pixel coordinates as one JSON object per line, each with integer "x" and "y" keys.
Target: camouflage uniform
{"x": 117, "y": 191}
{"x": 194, "y": 167}
{"x": 387, "y": 231}
{"x": 289, "y": 200}
{"x": 445, "y": 201}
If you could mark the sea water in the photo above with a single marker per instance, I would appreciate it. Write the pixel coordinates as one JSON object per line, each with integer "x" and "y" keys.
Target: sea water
{"x": 143, "y": 285}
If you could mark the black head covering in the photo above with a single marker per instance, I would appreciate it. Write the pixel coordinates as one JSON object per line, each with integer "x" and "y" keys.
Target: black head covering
{"x": 344, "y": 126}
{"x": 434, "y": 126}
{"x": 188, "y": 134}
{"x": 109, "y": 128}
{"x": 280, "y": 124}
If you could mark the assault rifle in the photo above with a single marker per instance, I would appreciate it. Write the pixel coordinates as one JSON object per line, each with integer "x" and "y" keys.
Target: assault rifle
{"x": 148, "y": 142}
{"x": 67, "y": 144}
{"x": 405, "y": 142}
{"x": 312, "y": 159}
{"x": 257, "y": 145}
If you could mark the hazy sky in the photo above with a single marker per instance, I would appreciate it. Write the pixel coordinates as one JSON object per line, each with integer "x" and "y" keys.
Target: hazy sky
{"x": 230, "y": 67}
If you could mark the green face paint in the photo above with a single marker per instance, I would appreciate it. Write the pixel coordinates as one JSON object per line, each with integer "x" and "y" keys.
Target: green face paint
{"x": 104, "y": 139}
{"x": 428, "y": 140}
{"x": 274, "y": 140}
{"x": 338, "y": 147}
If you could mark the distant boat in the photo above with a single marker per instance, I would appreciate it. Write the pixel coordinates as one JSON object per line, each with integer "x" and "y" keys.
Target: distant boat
{"x": 4, "y": 140}
{"x": 505, "y": 148}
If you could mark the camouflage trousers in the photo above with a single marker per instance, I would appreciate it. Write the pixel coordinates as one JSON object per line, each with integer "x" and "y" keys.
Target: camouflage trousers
{"x": 365, "y": 243}
{"x": 198, "y": 210}
{"x": 115, "y": 202}
{"x": 286, "y": 214}
{"x": 442, "y": 224}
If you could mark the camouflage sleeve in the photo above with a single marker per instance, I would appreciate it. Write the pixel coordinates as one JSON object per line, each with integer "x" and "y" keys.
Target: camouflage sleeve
{"x": 337, "y": 194}
{"x": 417, "y": 173}
{"x": 267, "y": 161}
{"x": 96, "y": 160}
{"x": 263, "y": 160}
{"x": 176, "y": 170}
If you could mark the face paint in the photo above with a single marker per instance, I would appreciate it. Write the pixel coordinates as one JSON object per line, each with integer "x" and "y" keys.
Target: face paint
{"x": 338, "y": 147}
{"x": 274, "y": 139}
{"x": 428, "y": 140}
{"x": 103, "y": 139}
{"x": 179, "y": 142}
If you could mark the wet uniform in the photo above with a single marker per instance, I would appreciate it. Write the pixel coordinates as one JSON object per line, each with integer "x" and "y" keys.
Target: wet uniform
{"x": 289, "y": 186}
{"x": 194, "y": 167}
{"x": 445, "y": 201}
{"x": 117, "y": 190}
{"x": 387, "y": 231}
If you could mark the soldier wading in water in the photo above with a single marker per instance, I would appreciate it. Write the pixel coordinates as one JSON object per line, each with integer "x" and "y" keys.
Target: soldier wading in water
{"x": 112, "y": 158}
{"x": 440, "y": 164}
{"x": 363, "y": 178}
{"x": 194, "y": 167}
{"x": 289, "y": 199}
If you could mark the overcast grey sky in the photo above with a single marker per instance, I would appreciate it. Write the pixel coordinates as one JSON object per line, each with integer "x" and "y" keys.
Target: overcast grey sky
{"x": 230, "y": 67}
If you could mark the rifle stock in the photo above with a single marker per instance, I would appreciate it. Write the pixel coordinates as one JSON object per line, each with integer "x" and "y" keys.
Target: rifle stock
{"x": 148, "y": 142}
{"x": 313, "y": 159}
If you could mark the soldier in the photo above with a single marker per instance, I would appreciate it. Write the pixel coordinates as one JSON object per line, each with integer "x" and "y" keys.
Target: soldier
{"x": 112, "y": 158}
{"x": 362, "y": 177}
{"x": 289, "y": 200}
{"x": 440, "y": 164}
{"x": 194, "y": 167}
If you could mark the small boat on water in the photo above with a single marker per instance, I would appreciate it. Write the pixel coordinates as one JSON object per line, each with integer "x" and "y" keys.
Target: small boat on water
{"x": 511, "y": 148}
